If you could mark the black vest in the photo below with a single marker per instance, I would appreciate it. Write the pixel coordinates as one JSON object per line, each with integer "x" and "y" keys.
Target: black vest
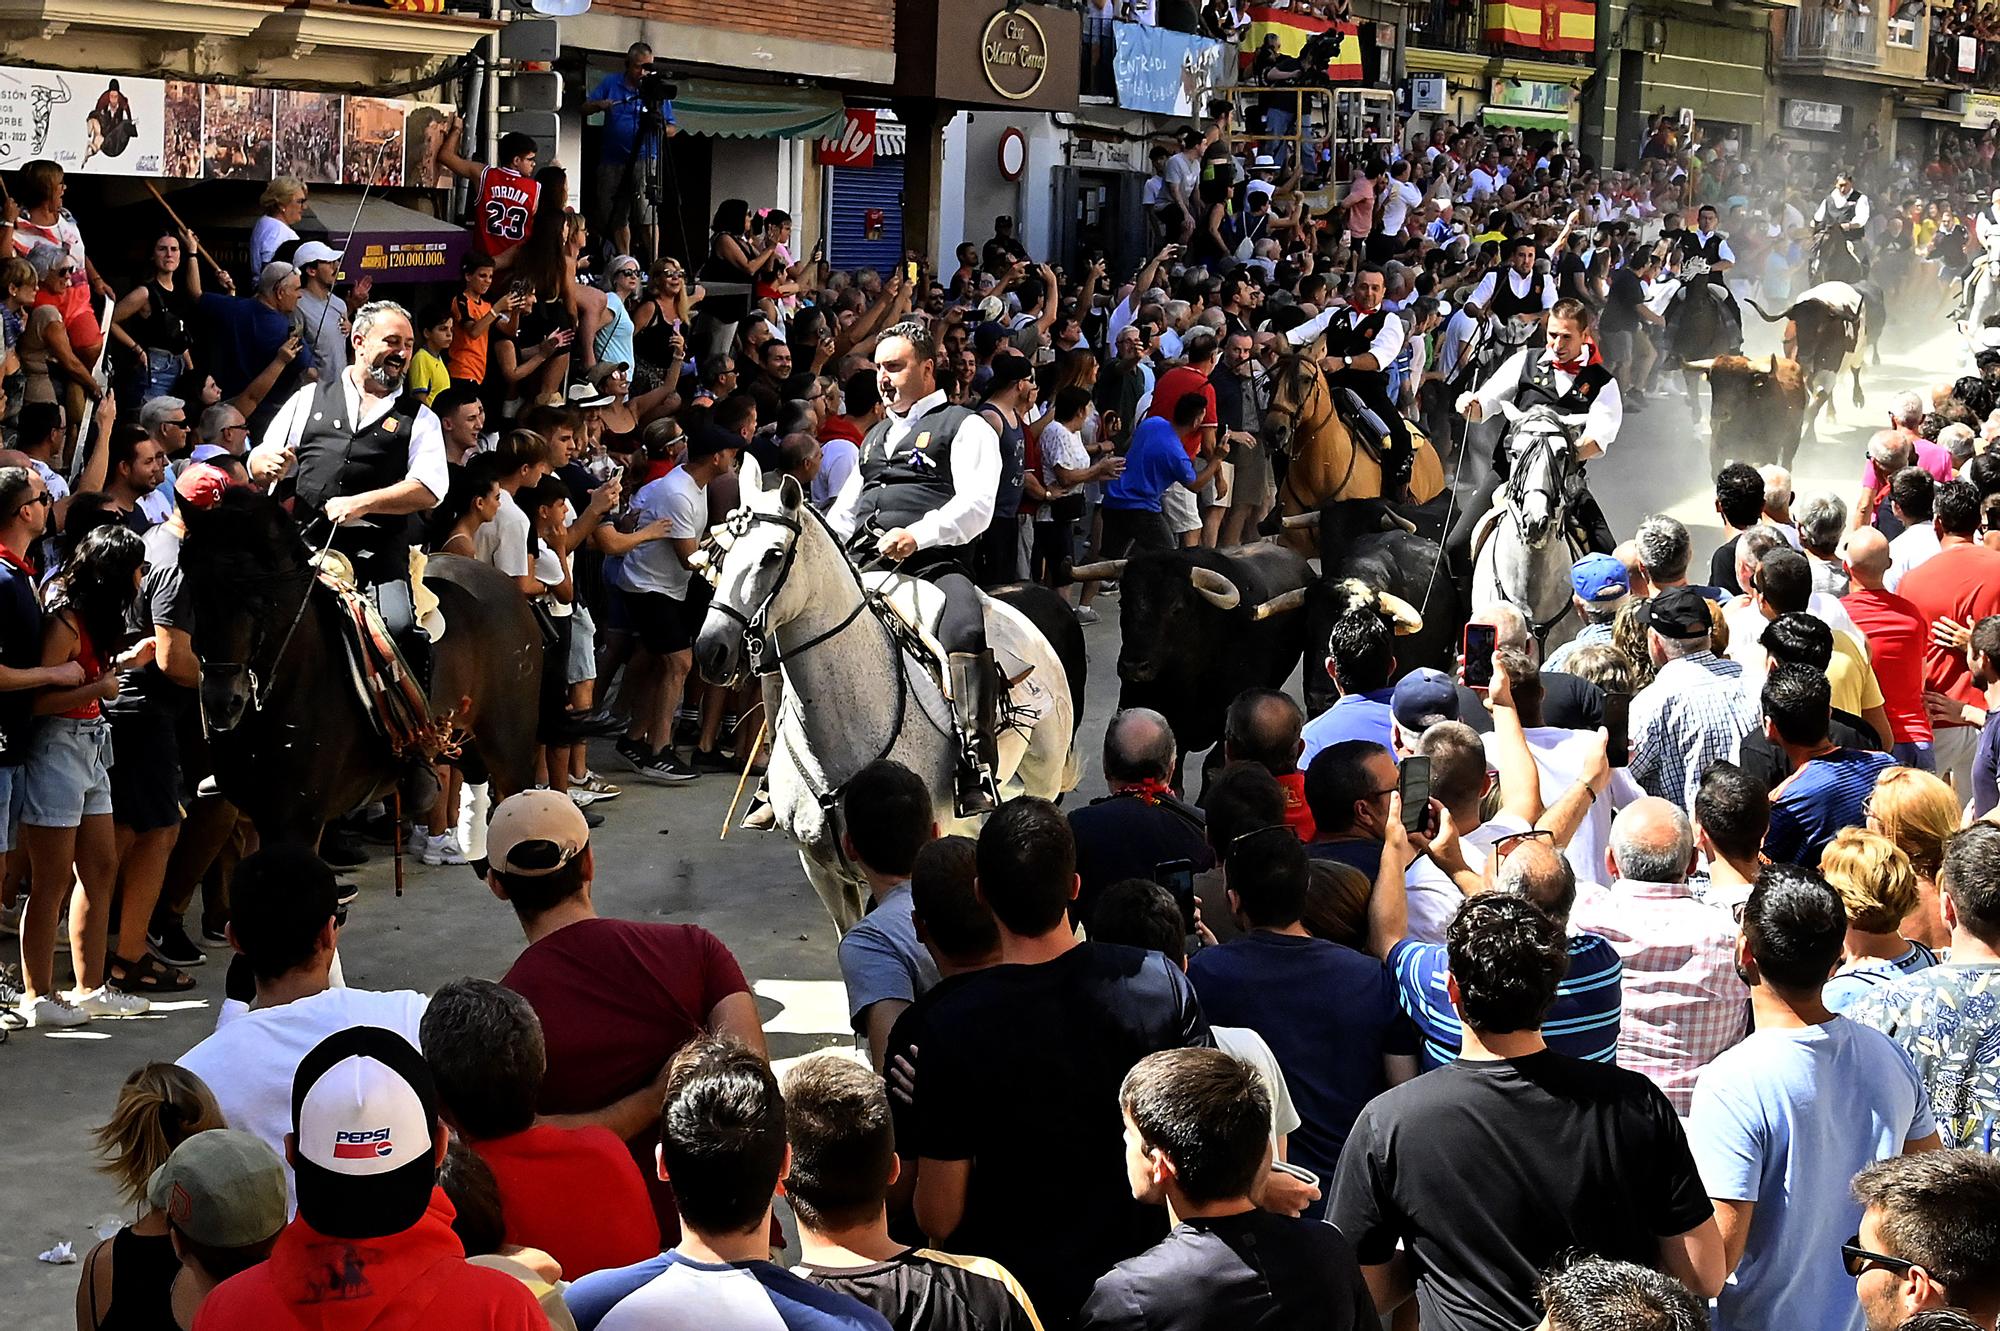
{"x": 1692, "y": 246}
{"x": 1842, "y": 214}
{"x": 1506, "y": 304}
{"x": 335, "y": 459}
{"x": 1538, "y": 387}
{"x": 1345, "y": 339}
{"x": 897, "y": 493}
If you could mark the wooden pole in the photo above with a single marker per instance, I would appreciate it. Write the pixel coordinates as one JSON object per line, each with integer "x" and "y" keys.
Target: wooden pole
{"x": 185, "y": 229}
{"x": 763, "y": 728}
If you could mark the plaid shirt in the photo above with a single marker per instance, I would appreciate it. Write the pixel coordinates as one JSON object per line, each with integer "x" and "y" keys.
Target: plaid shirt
{"x": 1694, "y": 713}
{"x": 1684, "y": 1003}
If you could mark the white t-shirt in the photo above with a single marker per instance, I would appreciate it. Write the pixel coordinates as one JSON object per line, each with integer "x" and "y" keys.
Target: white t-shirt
{"x": 1246, "y": 1046}
{"x": 265, "y": 238}
{"x": 1433, "y": 897}
{"x": 654, "y": 567}
{"x": 503, "y": 542}
{"x": 249, "y": 1062}
{"x": 1560, "y": 755}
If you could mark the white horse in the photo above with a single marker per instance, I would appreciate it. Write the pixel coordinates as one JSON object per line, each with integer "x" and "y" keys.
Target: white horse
{"x": 786, "y": 596}
{"x": 1522, "y": 548}
{"x": 1982, "y": 295}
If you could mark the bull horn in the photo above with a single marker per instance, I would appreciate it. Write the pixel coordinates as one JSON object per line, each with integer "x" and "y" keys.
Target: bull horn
{"x": 1215, "y": 588}
{"x": 1103, "y": 570}
{"x": 1769, "y": 366}
{"x": 1704, "y": 366}
{"x": 1391, "y": 518}
{"x": 1302, "y": 519}
{"x": 1282, "y": 604}
{"x": 1401, "y": 613}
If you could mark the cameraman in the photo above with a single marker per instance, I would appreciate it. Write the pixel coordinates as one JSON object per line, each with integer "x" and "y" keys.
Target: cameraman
{"x": 637, "y": 110}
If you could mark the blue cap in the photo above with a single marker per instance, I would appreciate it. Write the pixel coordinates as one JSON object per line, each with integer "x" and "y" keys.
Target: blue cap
{"x": 1423, "y": 698}
{"x": 1598, "y": 578}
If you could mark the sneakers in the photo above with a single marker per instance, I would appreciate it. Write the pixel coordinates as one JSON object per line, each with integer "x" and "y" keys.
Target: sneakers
{"x": 666, "y": 768}
{"x": 170, "y": 944}
{"x": 581, "y": 798}
{"x": 213, "y": 935}
{"x": 104, "y": 1001}
{"x": 593, "y": 784}
{"x": 418, "y": 838}
{"x": 592, "y": 820}
{"x": 443, "y": 849}
{"x": 1086, "y": 615}
{"x": 635, "y": 753}
{"x": 51, "y": 1012}
{"x": 341, "y": 849}
{"x": 718, "y": 761}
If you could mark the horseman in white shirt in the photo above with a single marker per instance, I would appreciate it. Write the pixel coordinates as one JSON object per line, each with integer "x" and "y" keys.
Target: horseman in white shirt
{"x": 1571, "y": 377}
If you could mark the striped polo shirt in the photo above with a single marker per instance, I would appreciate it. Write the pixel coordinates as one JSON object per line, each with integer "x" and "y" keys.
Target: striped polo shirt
{"x": 1826, "y": 794}
{"x": 1583, "y": 1023}
{"x": 1857, "y": 979}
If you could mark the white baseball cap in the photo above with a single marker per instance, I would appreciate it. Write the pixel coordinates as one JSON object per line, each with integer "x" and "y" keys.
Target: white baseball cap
{"x": 364, "y": 1113}
{"x": 314, "y": 251}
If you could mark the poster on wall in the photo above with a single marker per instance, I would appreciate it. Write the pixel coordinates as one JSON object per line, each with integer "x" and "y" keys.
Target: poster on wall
{"x": 1165, "y": 72}
{"x": 309, "y": 136}
{"x": 94, "y": 124}
{"x": 237, "y": 131}
{"x": 89, "y": 123}
{"x": 368, "y": 155}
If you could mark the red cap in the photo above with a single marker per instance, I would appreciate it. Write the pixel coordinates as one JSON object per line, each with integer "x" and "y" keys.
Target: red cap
{"x": 202, "y": 486}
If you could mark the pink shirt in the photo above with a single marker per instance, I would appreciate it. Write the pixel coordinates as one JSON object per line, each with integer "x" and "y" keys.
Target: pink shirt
{"x": 1933, "y": 458}
{"x": 1683, "y": 1001}
{"x": 1360, "y": 207}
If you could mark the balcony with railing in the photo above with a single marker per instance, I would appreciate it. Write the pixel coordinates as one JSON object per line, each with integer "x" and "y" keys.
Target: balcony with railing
{"x": 1822, "y": 36}
{"x": 1554, "y": 31}
{"x": 1961, "y": 50}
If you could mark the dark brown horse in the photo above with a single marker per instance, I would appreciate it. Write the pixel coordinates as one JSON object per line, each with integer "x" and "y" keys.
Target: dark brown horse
{"x": 293, "y": 746}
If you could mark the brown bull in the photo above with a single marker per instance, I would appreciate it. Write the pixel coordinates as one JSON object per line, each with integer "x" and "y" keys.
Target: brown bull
{"x": 1758, "y": 411}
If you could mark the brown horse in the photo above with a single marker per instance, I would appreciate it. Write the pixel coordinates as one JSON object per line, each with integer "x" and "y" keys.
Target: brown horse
{"x": 1325, "y": 461}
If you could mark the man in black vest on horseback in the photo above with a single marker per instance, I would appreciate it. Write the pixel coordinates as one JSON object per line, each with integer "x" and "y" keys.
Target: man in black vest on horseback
{"x": 1842, "y": 218}
{"x": 361, "y": 452}
{"x": 1571, "y": 377}
{"x": 1362, "y": 339}
{"x": 926, "y": 481}
{"x": 1712, "y": 248}
{"x": 1517, "y": 295}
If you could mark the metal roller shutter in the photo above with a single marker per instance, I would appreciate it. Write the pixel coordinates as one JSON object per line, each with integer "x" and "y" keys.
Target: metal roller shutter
{"x": 854, "y": 190}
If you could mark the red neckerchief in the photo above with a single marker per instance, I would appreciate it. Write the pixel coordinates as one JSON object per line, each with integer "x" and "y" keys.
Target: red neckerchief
{"x": 1589, "y": 357}
{"x": 10, "y": 558}
{"x": 1151, "y": 790}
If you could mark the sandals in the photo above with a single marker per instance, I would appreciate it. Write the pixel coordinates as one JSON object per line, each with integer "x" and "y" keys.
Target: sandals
{"x": 147, "y": 976}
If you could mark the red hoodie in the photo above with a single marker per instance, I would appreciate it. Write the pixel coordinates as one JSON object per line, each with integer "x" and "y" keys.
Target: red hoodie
{"x": 416, "y": 1279}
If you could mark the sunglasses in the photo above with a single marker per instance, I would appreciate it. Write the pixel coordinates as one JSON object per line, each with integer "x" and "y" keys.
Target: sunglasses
{"x": 1858, "y": 1259}
{"x": 1507, "y": 843}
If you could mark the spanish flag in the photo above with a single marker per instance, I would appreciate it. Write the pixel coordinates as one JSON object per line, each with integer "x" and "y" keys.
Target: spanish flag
{"x": 1292, "y": 29}
{"x": 1543, "y": 25}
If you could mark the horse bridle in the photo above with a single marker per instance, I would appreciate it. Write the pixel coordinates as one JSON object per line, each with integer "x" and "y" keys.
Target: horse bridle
{"x": 1316, "y": 379}
{"x": 227, "y": 669}
{"x": 1515, "y": 490}
{"x": 756, "y": 625}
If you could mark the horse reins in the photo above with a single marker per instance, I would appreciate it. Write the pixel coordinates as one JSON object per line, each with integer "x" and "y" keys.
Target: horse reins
{"x": 312, "y": 575}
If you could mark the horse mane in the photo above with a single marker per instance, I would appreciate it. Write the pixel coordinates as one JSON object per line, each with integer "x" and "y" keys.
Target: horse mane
{"x": 247, "y": 533}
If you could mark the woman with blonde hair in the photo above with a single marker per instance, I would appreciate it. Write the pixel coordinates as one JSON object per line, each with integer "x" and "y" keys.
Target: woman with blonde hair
{"x": 128, "y": 1279}
{"x": 284, "y": 203}
{"x": 1878, "y": 887}
{"x": 1918, "y": 812}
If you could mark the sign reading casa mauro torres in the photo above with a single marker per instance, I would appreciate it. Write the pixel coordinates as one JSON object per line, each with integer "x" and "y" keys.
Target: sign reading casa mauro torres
{"x": 998, "y": 53}
{"x": 1014, "y": 52}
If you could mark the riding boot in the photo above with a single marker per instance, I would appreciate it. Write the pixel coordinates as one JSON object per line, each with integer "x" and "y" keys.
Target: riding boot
{"x": 975, "y": 705}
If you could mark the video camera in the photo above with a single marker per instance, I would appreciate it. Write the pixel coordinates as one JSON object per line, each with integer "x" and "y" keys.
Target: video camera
{"x": 655, "y": 89}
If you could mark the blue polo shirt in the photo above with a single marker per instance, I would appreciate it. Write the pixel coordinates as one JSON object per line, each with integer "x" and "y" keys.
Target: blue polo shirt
{"x": 1583, "y": 1023}
{"x": 1155, "y": 460}
{"x": 1352, "y": 716}
{"x": 1826, "y": 794}
{"x": 621, "y": 120}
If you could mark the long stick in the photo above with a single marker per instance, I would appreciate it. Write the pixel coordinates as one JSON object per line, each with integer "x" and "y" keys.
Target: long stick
{"x": 185, "y": 230}
{"x": 763, "y": 728}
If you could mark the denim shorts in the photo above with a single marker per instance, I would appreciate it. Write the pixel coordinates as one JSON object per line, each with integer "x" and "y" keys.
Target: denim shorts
{"x": 582, "y": 646}
{"x": 68, "y": 776}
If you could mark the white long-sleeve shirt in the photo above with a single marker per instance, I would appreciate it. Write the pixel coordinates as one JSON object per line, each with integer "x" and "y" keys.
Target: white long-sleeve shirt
{"x": 1601, "y": 421}
{"x": 1489, "y": 286}
{"x": 426, "y": 456}
{"x": 1860, "y": 201}
{"x": 1384, "y": 347}
{"x": 975, "y": 479}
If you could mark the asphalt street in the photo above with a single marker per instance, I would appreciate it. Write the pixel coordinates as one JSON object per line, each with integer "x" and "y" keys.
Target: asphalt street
{"x": 659, "y": 857}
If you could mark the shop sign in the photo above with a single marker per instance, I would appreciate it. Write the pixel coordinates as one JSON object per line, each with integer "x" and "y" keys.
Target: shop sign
{"x": 1530, "y": 95}
{"x": 389, "y": 258}
{"x": 1102, "y": 154}
{"x": 93, "y": 124}
{"x": 1014, "y": 54}
{"x": 1976, "y": 110}
{"x": 1428, "y": 93}
{"x": 854, "y": 145}
{"x": 1166, "y": 72}
{"x": 1824, "y": 117}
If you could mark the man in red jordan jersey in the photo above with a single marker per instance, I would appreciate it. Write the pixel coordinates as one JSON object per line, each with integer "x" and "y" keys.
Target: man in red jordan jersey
{"x": 503, "y": 209}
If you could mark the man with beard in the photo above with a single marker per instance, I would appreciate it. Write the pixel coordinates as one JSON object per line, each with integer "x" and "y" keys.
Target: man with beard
{"x": 360, "y": 451}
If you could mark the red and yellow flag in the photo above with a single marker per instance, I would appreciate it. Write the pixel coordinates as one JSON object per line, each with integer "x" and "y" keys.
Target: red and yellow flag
{"x": 1543, "y": 25}
{"x": 1292, "y": 29}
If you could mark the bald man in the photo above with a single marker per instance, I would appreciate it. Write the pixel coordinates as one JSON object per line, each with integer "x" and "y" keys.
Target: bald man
{"x": 1897, "y": 638}
{"x": 1141, "y": 829}
{"x": 1683, "y": 1001}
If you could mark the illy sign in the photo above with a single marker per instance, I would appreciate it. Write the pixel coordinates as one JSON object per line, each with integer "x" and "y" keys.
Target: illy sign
{"x": 1014, "y": 54}
{"x": 855, "y": 144}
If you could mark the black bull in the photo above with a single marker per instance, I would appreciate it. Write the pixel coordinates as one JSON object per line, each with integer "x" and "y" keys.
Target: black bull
{"x": 1198, "y": 626}
{"x": 1833, "y": 328}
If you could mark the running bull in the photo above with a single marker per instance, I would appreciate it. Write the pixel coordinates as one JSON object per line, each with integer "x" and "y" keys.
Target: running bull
{"x": 1831, "y": 329}
{"x": 1759, "y": 409}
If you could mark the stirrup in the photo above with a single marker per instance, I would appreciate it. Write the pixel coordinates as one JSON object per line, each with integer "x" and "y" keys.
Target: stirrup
{"x": 973, "y": 789}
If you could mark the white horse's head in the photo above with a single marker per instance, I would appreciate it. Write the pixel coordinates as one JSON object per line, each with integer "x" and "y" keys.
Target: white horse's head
{"x": 1538, "y": 443}
{"x": 758, "y": 561}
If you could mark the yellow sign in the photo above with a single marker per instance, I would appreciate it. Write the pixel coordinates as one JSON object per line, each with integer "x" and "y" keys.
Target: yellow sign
{"x": 1014, "y": 54}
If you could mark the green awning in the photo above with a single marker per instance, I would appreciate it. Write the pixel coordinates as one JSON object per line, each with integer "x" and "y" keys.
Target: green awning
{"x": 1515, "y": 117}
{"x": 756, "y": 111}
